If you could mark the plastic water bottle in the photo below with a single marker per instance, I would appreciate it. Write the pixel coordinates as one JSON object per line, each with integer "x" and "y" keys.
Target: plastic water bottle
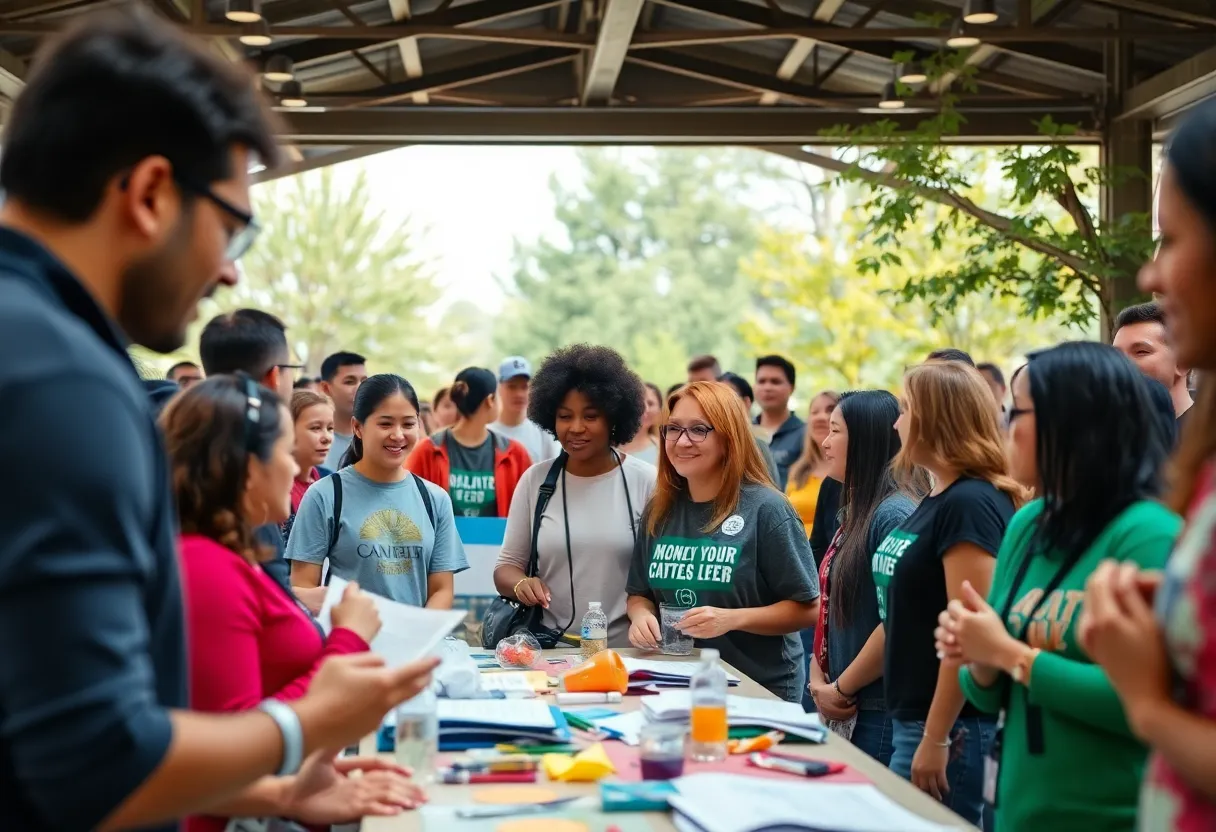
{"x": 595, "y": 630}
{"x": 417, "y": 734}
{"x": 709, "y": 723}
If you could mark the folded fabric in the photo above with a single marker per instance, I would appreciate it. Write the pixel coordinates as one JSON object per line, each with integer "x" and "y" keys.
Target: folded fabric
{"x": 587, "y": 766}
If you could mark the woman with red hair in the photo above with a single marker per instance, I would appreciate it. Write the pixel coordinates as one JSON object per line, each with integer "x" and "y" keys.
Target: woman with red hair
{"x": 721, "y": 540}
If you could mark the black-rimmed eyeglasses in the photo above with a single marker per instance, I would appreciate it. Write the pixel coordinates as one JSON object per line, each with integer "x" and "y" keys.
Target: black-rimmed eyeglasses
{"x": 696, "y": 433}
{"x": 240, "y": 239}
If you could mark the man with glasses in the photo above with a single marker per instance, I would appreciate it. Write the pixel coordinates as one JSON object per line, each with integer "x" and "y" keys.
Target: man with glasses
{"x": 125, "y": 174}
{"x": 253, "y": 342}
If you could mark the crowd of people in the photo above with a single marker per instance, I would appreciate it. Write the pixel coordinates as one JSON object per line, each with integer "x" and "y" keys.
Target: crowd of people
{"x": 1004, "y": 592}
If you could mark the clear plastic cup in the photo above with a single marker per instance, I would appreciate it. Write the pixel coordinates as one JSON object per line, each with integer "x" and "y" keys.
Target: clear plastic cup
{"x": 675, "y": 643}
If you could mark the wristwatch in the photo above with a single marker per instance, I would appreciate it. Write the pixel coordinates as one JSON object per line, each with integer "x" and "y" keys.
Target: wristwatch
{"x": 1020, "y": 672}
{"x": 288, "y": 721}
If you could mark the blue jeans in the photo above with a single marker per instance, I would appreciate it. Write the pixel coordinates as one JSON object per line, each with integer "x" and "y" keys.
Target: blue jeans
{"x": 872, "y": 734}
{"x": 964, "y": 773}
{"x": 808, "y": 655}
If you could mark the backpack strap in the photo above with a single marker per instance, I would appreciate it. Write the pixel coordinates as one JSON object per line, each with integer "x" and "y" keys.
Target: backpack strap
{"x": 425, "y": 494}
{"x": 334, "y": 527}
{"x": 542, "y": 502}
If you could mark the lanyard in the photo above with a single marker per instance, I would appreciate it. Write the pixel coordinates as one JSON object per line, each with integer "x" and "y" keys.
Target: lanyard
{"x": 1034, "y": 714}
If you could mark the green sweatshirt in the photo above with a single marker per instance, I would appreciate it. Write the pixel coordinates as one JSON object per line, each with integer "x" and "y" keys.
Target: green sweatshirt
{"x": 1089, "y": 774}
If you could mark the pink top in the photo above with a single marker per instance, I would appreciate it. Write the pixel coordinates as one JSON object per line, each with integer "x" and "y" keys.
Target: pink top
{"x": 248, "y": 639}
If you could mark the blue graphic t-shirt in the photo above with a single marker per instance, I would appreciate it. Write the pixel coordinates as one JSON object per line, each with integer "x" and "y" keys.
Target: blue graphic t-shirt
{"x": 385, "y": 541}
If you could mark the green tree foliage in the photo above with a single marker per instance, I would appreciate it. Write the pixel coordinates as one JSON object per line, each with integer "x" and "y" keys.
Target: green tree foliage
{"x": 846, "y": 327}
{"x": 1037, "y": 238}
{"x": 342, "y": 277}
{"x": 648, "y": 262}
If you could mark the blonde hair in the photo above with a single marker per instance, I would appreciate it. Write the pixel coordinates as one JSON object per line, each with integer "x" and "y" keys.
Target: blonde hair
{"x": 951, "y": 421}
{"x": 301, "y": 400}
{"x": 812, "y": 454}
{"x": 741, "y": 460}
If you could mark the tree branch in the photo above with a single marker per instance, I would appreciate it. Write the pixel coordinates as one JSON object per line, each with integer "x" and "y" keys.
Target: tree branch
{"x": 942, "y": 196}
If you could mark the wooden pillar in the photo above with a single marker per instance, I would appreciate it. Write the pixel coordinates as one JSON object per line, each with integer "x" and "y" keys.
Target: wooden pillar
{"x": 1126, "y": 145}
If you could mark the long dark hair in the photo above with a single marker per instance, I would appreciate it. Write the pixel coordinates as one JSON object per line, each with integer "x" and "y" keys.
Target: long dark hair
{"x": 869, "y": 416}
{"x": 371, "y": 394}
{"x": 1100, "y": 443}
{"x": 210, "y": 432}
{"x": 1189, "y": 156}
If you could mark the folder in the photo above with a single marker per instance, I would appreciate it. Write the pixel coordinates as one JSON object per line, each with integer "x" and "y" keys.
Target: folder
{"x": 465, "y": 724}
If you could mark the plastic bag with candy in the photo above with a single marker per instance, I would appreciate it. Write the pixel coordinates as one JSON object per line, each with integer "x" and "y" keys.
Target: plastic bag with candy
{"x": 521, "y": 650}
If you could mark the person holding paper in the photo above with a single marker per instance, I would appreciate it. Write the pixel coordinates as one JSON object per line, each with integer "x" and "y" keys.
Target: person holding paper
{"x": 391, "y": 531}
{"x": 846, "y": 667}
{"x": 230, "y": 449}
{"x": 948, "y": 426}
{"x": 720, "y": 539}
{"x": 1071, "y": 405}
{"x": 592, "y": 402}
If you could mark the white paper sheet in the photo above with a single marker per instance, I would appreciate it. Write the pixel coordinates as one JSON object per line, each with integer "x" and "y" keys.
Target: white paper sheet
{"x": 514, "y": 713}
{"x": 678, "y": 669}
{"x": 512, "y": 684}
{"x": 406, "y": 633}
{"x": 736, "y": 803}
{"x": 628, "y": 724}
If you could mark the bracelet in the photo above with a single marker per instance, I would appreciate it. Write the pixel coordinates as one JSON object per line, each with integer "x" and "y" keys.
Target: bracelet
{"x": 949, "y": 741}
{"x": 288, "y": 722}
{"x": 515, "y": 589}
{"x": 836, "y": 684}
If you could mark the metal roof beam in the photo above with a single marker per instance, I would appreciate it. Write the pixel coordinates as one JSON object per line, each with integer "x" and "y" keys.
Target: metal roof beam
{"x": 1175, "y": 11}
{"x": 461, "y": 17}
{"x": 1174, "y": 90}
{"x": 629, "y": 125}
{"x": 449, "y": 79}
{"x": 616, "y": 29}
{"x": 323, "y": 160}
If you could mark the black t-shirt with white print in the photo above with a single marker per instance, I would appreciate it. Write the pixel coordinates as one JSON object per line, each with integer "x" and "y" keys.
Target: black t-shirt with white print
{"x": 910, "y": 578}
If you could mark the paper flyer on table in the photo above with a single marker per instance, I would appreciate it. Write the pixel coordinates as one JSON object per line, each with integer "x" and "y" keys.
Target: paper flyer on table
{"x": 406, "y": 633}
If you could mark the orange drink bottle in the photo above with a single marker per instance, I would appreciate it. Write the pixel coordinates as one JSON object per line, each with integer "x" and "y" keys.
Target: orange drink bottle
{"x": 709, "y": 721}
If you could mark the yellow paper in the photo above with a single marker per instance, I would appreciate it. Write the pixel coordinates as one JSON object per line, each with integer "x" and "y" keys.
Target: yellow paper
{"x": 587, "y": 766}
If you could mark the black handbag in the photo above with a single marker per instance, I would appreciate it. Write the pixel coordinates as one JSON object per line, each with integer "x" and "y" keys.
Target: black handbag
{"x": 506, "y": 617}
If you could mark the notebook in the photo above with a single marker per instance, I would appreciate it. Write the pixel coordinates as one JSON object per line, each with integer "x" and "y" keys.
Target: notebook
{"x": 675, "y": 706}
{"x": 644, "y": 673}
{"x": 483, "y": 723}
{"x": 735, "y": 803}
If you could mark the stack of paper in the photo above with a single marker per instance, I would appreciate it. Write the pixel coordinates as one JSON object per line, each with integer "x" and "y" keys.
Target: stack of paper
{"x": 676, "y": 705}
{"x": 648, "y": 673}
{"x": 406, "y": 633}
{"x": 483, "y": 723}
{"x": 735, "y": 803}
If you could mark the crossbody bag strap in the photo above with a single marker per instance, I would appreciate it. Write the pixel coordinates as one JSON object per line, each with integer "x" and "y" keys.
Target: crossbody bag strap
{"x": 542, "y": 502}
{"x": 334, "y": 529}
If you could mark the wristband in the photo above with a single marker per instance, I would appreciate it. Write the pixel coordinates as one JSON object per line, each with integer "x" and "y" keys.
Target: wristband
{"x": 288, "y": 721}
{"x": 515, "y": 589}
{"x": 836, "y": 684}
{"x": 949, "y": 741}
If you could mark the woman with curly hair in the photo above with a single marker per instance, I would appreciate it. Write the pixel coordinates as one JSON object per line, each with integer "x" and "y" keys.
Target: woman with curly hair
{"x": 229, "y": 443}
{"x": 592, "y": 402}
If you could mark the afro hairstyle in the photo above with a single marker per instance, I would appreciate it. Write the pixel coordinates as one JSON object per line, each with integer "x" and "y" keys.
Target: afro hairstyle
{"x": 600, "y": 374}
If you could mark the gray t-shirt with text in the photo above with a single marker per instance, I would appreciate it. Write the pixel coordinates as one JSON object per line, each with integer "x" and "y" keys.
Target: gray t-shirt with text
{"x": 385, "y": 541}
{"x": 758, "y": 556}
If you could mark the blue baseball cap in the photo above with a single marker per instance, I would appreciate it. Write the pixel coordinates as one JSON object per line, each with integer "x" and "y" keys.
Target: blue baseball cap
{"x": 514, "y": 367}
